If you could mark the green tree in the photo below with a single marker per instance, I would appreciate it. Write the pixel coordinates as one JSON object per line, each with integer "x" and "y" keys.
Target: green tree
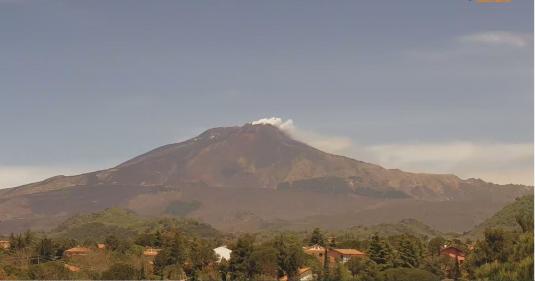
{"x": 266, "y": 257}
{"x": 435, "y": 244}
{"x": 290, "y": 256}
{"x": 525, "y": 221}
{"x": 317, "y": 238}
{"x": 495, "y": 245}
{"x": 120, "y": 271}
{"x": 523, "y": 247}
{"x": 17, "y": 242}
{"x": 63, "y": 244}
{"x": 28, "y": 237}
{"x": 142, "y": 274}
{"x": 12, "y": 242}
{"x": 242, "y": 265}
{"x": 340, "y": 273}
{"x": 223, "y": 269}
{"x": 495, "y": 271}
{"x": 356, "y": 265}
{"x": 201, "y": 255}
{"x": 45, "y": 248}
{"x": 409, "y": 254}
{"x": 438, "y": 265}
{"x": 501, "y": 256}
{"x": 173, "y": 272}
{"x": 174, "y": 252}
{"x": 407, "y": 274}
{"x": 362, "y": 268}
{"x": 115, "y": 244}
{"x": 112, "y": 242}
{"x": 380, "y": 252}
{"x": 149, "y": 239}
{"x": 49, "y": 271}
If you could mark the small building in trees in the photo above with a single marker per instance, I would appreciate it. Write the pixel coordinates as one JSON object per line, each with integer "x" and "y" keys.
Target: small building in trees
{"x": 151, "y": 252}
{"x": 316, "y": 251}
{"x": 453, "y": 253}
{"x": 5, "y": 244}
{"x": 222, "y": 253}
{"x": 334, "y": 254}
{"x": 77, "y": 251}
{"x": 343, "y": 255}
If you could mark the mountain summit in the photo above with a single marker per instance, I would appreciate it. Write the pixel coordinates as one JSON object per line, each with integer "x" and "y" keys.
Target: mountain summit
{"x": 250, "y": 161}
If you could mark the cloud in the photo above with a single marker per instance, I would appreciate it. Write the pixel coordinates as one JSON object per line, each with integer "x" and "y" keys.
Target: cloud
{"x": 503, "y": 38}
{"x": 479, "y": 49}
{"x": 495, "y": 162}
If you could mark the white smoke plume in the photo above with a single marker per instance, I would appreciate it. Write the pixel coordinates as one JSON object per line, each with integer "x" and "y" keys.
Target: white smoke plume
{"x": 331, "y": 144}
{"x": 496, "y": 162}
{"x": 286, "y": 126}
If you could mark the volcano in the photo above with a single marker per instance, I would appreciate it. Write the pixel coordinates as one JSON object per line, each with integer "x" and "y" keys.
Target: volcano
{"x": 253, "y": 177}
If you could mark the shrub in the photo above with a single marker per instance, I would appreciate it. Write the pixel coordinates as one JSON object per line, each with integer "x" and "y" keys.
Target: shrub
{"x": 407, "y": 274}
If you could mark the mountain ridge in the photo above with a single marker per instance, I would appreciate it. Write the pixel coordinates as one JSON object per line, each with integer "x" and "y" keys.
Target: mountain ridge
{"x": 245, "y": 165}
{"x": 344, "y": 168}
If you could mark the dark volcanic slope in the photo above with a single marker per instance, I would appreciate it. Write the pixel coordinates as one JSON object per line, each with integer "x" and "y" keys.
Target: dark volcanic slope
{"x": 259, "y": 158}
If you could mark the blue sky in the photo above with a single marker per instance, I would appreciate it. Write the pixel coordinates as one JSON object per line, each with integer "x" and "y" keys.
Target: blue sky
{"x": 429, "y": 86}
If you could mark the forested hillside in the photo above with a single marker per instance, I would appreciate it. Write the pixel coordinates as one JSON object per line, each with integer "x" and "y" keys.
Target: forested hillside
{"x": 514, "y": 217}
{"x": 119, "y": 244}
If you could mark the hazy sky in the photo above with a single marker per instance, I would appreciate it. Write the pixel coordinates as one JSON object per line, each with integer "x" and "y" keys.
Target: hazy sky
{"x": 430, "y": 86}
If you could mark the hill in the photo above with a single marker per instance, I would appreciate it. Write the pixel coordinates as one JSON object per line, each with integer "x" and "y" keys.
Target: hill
{"x": 407, "y": 226}
{"x": 506, "y": 218}
{"x": 254, "y": 177}
{"x": 126, "y": 224}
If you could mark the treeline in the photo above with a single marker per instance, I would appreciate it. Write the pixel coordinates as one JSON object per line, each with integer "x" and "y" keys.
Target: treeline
{"x": 499, "y": 255}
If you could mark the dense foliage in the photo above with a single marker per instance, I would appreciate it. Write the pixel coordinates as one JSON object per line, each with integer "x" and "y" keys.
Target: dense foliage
{"x": 184, "y": 250}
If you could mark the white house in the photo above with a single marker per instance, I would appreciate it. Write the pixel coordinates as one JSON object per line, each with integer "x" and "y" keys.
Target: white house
{"x": 222, "y": 253}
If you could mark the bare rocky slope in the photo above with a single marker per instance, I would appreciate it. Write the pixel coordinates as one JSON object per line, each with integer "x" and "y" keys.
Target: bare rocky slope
{"x": 252, "y": 177}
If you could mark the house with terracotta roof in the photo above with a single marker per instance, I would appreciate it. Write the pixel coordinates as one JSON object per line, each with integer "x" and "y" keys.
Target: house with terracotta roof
{"x": 5, "y": 244}
{"x": 453, "y": 253}
{"x": 77, "y": 251}
{"x": 343, "y": 255}
{"x": 151, "y": 252}
{"x": 316, "y": 251}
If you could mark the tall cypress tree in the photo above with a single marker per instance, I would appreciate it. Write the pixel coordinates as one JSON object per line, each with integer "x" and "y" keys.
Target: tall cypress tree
{"x": 242, "y": 266}
{"x": 46, "y": 248}
{"x": 380, "y": 251}
{"x": 289, "y": 256}
{"x": 408, "y": 253}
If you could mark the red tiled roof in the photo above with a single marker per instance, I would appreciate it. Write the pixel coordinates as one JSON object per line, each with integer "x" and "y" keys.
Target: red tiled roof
{"x": 78, "y": 250}
{"x": 349, "y": 252}
{"x": 461, "y": 252}
{"x": 151, "y": 251}
{"x": 314, "y": 248}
